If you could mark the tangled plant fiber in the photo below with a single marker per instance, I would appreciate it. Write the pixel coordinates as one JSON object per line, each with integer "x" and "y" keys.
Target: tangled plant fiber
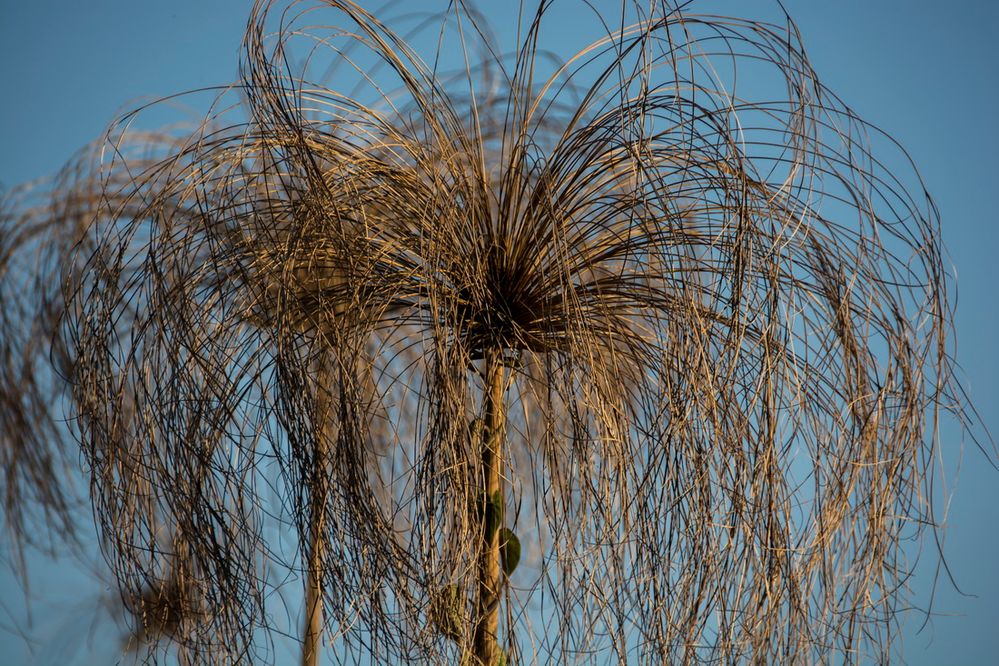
{"x": 678, "y": 348}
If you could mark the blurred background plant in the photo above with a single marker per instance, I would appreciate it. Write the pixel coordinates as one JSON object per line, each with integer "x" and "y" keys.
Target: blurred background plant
{"x": 684, "y": 342}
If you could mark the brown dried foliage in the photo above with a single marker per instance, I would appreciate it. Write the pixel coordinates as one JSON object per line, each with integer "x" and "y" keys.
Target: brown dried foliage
{"x": 717, "y": 326}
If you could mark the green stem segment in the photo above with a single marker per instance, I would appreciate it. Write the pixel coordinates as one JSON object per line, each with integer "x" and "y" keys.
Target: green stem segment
{"x": 486, "y": 646}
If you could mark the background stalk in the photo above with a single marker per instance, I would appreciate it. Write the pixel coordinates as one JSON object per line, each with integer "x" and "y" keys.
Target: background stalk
{"x": 313, "y": 630}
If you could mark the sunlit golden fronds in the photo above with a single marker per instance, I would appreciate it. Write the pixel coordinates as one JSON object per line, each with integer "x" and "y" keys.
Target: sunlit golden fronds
{"x": 669, "y": 297}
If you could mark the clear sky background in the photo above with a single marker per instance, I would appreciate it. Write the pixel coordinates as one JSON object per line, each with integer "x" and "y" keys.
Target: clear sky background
{"x": 925, "y": 71}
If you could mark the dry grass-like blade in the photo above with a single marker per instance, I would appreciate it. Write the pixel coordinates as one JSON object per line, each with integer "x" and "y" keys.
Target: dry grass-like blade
{"x": 694, "y": 342}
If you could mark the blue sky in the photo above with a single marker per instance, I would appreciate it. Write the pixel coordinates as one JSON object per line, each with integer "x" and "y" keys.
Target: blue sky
{"x": 922, "y": 71}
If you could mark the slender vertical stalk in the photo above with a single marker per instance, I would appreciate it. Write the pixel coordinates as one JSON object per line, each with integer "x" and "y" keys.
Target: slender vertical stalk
{"x": 313, "y": 629}
{"x": 486, "y": 647}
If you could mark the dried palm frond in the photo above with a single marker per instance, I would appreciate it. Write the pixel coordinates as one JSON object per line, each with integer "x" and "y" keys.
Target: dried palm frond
{"x": 41, "y": 225}
{"x": 685, "y": 344}
{"x": 166, "y": 609}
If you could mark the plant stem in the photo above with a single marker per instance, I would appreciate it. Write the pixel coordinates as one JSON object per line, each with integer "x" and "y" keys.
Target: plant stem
{"x": 313, "y": 630}
{"x": 487, "y": 615}
{"x": 313, "y": 592}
